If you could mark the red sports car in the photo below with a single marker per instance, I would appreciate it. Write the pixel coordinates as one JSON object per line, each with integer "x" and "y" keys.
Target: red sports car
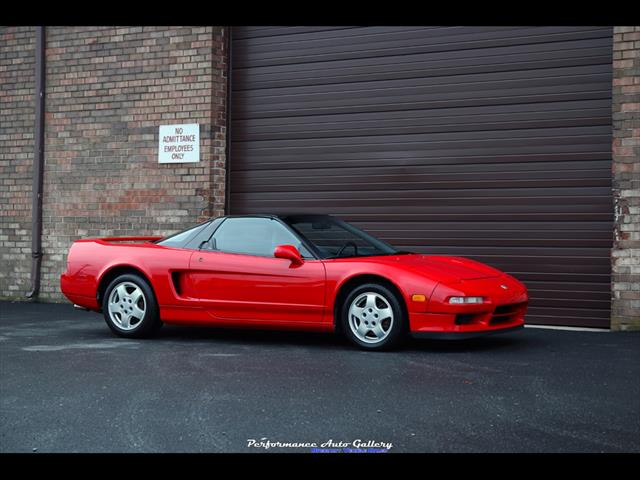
{"x": 305, "y": 272}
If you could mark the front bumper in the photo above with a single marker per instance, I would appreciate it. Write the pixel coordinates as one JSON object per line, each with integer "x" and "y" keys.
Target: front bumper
{"x": 463, "y": 335}
{"x": 504, "y": 308}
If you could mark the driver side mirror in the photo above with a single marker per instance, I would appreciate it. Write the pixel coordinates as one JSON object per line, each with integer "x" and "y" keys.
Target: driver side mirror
{"x": 289, "y": 252}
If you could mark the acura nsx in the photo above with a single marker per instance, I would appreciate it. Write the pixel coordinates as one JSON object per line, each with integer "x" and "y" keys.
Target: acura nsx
{"x": 305, "y": 272}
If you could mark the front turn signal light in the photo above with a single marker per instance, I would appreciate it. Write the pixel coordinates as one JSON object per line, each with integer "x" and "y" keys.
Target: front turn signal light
{"x": 418, "y": 298}
{"x": 465, "y": 300}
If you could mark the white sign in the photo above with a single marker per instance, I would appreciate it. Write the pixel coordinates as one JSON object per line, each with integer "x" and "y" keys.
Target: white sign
{"x": 179, "y": 143}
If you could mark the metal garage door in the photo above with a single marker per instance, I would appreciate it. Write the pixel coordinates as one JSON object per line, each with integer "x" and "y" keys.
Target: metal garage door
{"x": 491, "y": 143}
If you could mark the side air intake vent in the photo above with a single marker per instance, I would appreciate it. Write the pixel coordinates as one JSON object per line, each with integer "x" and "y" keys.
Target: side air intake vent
{"x": 175, "y": 278}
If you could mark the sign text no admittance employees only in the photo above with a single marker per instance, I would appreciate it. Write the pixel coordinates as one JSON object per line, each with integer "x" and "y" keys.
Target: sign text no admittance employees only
{"x": 179, "y": 143}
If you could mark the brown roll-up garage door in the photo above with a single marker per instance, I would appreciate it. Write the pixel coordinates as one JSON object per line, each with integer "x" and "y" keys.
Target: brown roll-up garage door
{"x": 485, "y": 142}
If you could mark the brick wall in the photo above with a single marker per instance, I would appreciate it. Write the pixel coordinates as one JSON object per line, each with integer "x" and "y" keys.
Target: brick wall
{"x": 108, "y": 89}
{"x": 625, "y": 285}
{"x": 17, "y": 82}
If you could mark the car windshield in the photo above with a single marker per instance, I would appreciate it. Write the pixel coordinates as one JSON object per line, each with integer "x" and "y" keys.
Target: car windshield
{"x": 333, "y": 238}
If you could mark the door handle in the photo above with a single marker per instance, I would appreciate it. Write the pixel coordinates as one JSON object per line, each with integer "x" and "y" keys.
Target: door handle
{"x": 201, "y": 259}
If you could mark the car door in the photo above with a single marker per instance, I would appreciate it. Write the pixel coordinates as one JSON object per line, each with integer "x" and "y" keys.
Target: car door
{"x": 237, "y": 278}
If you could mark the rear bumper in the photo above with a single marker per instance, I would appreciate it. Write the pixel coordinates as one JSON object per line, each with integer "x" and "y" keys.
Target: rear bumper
{"x": 68, "y": 286}
{"x": 463, "y": 335}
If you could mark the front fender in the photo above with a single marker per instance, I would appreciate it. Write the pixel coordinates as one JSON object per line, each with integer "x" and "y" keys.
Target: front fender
{"x": 406, "y": 282}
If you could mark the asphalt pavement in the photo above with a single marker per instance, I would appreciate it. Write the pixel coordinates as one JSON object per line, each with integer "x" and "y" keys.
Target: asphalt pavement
{"x": 68, "y": 385}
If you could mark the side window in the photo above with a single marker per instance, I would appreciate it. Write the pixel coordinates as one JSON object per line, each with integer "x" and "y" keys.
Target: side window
{"x": 180, "y": 239}
{"x": 203, "y": 236}
{"x": 192, "y": 237}
{"x": 254, "y": 236}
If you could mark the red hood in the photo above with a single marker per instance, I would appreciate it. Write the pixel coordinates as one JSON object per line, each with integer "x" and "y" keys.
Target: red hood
{"x": 447, "y": 269}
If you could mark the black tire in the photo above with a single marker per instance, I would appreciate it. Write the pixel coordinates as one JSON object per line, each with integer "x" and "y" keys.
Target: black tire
{"x": 143, "y": 327}
{"x": 397, "y": 330}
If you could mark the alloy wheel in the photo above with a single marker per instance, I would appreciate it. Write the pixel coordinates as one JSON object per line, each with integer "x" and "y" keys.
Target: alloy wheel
{"x": 127, "y": 305}
{"x": 370, "y": 317}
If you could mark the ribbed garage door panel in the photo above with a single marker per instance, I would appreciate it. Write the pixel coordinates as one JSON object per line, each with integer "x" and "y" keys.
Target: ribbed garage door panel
{"x": 486, "y": 142}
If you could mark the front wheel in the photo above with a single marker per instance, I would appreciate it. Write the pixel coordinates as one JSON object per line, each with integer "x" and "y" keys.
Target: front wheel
{"x": 372, "y": 317}
{"x": 130, "y": 308}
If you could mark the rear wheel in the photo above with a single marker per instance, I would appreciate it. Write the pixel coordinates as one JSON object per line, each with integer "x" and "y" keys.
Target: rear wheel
{"x": 372, "y": 317}
{"x": 130, "y": 307}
